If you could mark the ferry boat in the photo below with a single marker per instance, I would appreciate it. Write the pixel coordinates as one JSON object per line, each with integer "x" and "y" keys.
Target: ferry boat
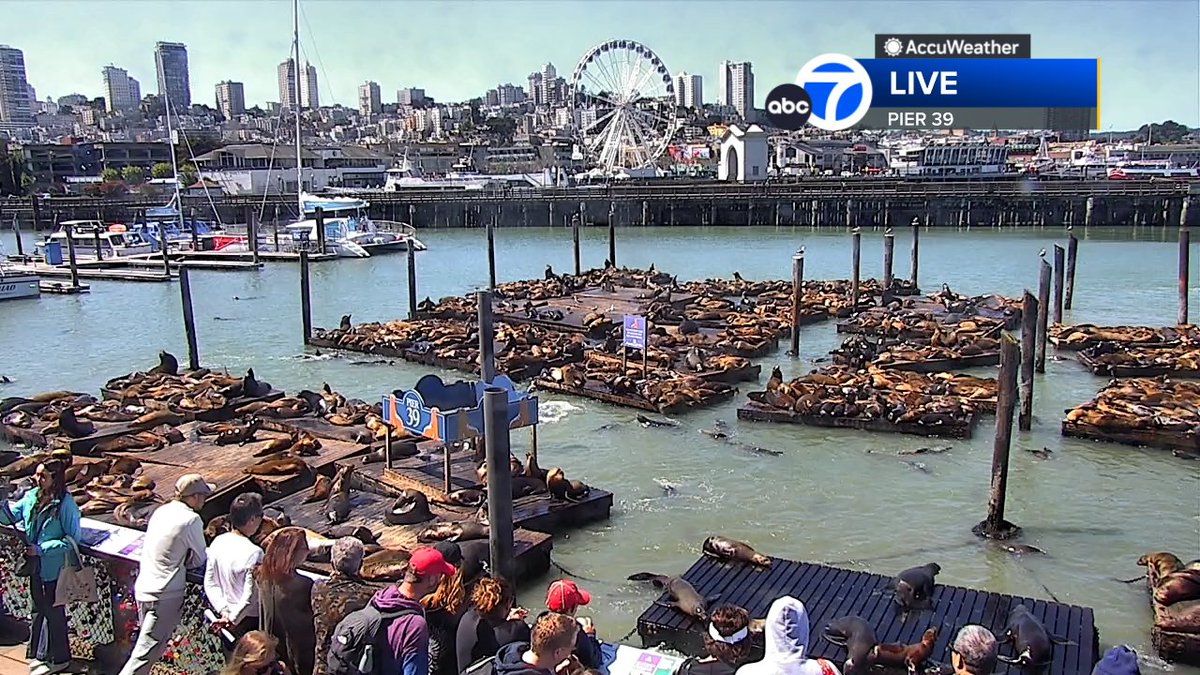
{"x": 1150, "y": 170}
{"x": 92, "y": 237}
{"x": 15, "y": 284}
{"x": 349, "y": 231}
{"x": 404, "y": 176}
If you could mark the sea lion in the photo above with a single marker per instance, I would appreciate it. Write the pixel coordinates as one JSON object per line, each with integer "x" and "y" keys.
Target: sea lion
{"x": 561, "y": 488}
{"x": 1030, "y": 640}
{"x": 651, "y": 422}
{"x": 858, "y": 637}
{"x": 914, "y": 586}
{"x": 359, "y": 532}
{"x": 344, "y": 324}
{"x": 410, "y": 508}
{"x": 134, "y": 514}
{"x": 467, "y": 497}
{"x": 72, "y": 426}
{"x": 911, "y": 656}
{"x": 683, "y": 596}
{"x": 320, "y": 490}
{"x": 460, "y": 531}
{"x": 273, "y": 446}
{"x": 725, "y": 548}
{"x": 279, "y": 467}
{"x": 532, "y": 470}
{"x": 386, "y": 565}
{"x": 337, "y": 505}
{"x": 523, "y": 486}
{"x": 1177, "y": 587}
{"x": 24, "y": 466}
{"x": 1159, "y": 565}
{"x": 157, "y": 417}
{"x": 167, "y": 364}
{"x": 252, "y": 387}
{"x": 239, "y": 434}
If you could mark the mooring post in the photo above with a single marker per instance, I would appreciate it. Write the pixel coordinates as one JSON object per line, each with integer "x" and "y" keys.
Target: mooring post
{"x": 189, "y": 318}
{"x": 412, "y": 282}
{"x": 387, "y": 447}
{"x": 252, "y": 233}
{"x": 491, "y": 243}
{"x": 320, "y": 217}
{"x": 889, "y": 251}
{"x": 71, "y": 255}
{"x": 447, "y": 473}
{"x": 575, "y": 241}
{"x": 162, "y": 243}
{"x": 16, "y": 228}
{"x": 855, "y": 260}
{"x": 612, "y": 233}
{"x": 1072, "y": 253}
{"x": 797, "y": 297}
{"x": 305, "y": 299}
{"x": 96, "y": 243}
{"x": 995, "y": 526}
{"x": 1043, "y": 315}
{"x": 1059, "y": 265}
{"x": 916, "y": 250}
{"x": 1029, "y": 334}
{"x": 487, "y": 336}
{"x": 275, "y": 232}
{"x": 1185, "y": 238}
{"x": 499, "y": 481}
{"x": 533, "y": 450}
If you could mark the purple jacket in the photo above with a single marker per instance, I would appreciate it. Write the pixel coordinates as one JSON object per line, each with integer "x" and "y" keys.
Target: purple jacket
{"x": 407, "y": 636}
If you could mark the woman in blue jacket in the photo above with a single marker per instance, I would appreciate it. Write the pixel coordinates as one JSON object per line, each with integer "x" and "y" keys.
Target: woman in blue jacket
{"x": 49, "y": 516}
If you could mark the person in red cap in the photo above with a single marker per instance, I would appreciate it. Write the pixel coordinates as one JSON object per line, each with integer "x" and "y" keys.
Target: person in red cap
{"x": 408, "y": 635}
{"x": 564, "y": 597}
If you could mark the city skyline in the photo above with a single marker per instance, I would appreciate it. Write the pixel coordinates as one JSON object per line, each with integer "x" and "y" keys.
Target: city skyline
{"x": 452, "y": 50}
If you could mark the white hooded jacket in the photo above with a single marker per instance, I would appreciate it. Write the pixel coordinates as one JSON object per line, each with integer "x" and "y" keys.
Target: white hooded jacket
{"x": 787, "y": 644}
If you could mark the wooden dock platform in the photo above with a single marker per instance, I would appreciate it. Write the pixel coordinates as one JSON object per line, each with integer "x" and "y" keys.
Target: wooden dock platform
{"x": 756, "y": 412}
{"x": 92, "y": 274}
{"x": 829, "y": 593}
{"x": 154, "y": 261}
{"x": 60, "y": 288}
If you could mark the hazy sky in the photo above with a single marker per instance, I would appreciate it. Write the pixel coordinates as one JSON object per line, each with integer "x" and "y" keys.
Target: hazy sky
{"x": 1150, "y": 49}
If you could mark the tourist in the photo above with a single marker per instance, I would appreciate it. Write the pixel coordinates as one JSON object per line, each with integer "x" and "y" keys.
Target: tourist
{"x": 444, "y": 609}
{"x": 408, "y": 635}
{"x": 174, "y": 540}
{"x": 254, "y": 654}
{"x": 49, "y": 517}
{"x": 726, "y": 641}
{"x": 973, "y": 651}
{"x": 491, "y": 623}
{"x": 548, "y": 652}
{"x": 787, "y": 644}
{"x": 565, "y": 597}
{"x": 343, "y": 592}
{"x": 232, "y": 557}
{"x": 286, "y": 600}
{"x": 1120, "y": 660}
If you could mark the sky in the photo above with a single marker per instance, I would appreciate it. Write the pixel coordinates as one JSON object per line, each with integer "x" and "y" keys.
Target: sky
{"x": 456, "y": 50}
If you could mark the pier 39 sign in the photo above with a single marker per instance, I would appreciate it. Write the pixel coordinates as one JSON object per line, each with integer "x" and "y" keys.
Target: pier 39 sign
{"x": 835, "y": 92}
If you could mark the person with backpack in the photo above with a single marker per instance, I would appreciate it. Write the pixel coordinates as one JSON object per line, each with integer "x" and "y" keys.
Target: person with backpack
{"x": 343, "y": 592}
{"x": 491, "y": 622}
{"x": 548, "y": 652}
{"x": 390, "y": 636}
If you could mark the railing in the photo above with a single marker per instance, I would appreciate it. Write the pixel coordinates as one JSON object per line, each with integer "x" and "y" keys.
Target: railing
{"x": 395, "y": 227}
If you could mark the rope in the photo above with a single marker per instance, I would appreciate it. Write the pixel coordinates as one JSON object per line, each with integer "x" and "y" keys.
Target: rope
{"x": 569, "y": 573}
{"x": 629, "y": 634}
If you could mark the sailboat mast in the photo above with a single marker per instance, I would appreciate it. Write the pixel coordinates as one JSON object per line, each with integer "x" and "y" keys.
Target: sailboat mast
{"x": 174, "y": 163}
{"x": 299, "y": 105}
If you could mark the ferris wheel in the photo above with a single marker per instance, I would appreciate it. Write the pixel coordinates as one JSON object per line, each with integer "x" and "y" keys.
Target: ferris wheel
{"x": 623, "y": 100}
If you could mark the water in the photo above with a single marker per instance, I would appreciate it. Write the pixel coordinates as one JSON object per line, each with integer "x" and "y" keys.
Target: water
{"x": 1094, "y": 507}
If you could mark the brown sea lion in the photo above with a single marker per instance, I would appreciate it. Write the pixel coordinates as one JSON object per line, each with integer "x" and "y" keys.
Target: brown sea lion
{"x": 914, "y": 586}
{"x": 279, "y": 467}
{"x": 858, "y": 637}
{"x": 320, "y": 490}
{"x": 82, "y": 474}
{"x": 25, "y": 466}
{"x": 911, "y": 656}
{"x": 272, "y": 446}
{"x": 337, "y": 505}
{"x": 468, "y": 497}
{"x": 1178, "y": 586}
{"x": 359, "y": 532}
{"x": 167, "y": 364}
{"x": 1159, "y": 565}
{"x": 460, "y": 531}
{"x": 125, "y": 466}
{"x": 725, "y": 548}
{"x": 532, "y": 470}
{"x": 561, "y": 488}
{"x": 1030, "y": 640}
{"x": 132, "y": 442}
{"x": 239, "y": 434}
{"x": 1183, "y": 617}
{"x": 306, "y": 445}
{"x": 134, "y": 514}
{"x": 684, "y": 596}
{"x": 156, "y": 417}
{"x": 386, "y": 565}
{"x": 410, "y": 508}
{"x": 72, "y": 426}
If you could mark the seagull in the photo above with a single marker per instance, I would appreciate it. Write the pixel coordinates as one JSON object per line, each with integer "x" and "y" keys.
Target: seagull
{"x": 1042, "y": 253}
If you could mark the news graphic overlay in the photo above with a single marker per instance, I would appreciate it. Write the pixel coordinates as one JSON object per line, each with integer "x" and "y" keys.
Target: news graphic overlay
{"x": 952, "y": 46}
{"x": 789, "y": 107}
{"x": 840, "y": 90}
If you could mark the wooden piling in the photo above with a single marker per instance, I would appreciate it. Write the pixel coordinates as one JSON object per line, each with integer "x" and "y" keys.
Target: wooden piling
{"x": 487, "y": 336}
{"x": 499, "y": 481}
{"x": 855, "y": 260}
{"x": 1072, "y": 254}
{"x": 71, "y": 261}
{"x": 1029, "y": 334}
{"x": 612, "y": 233}
{"x": 320, "y": 217}
{"x": 915, "y": 257}
{"x": 189, "y": 318}
{"x": 305, "y": 298}
{"x": 533, "y": 446}
{"x": 1059, "y": 268}
{"x": 162, "y": 243}
{"x": 575, "y": 241}
{"x": 995, "y": 526}
{"x": 1185, "y": 238}
{"x": 447, "y": 470}
{"x": 275, "y": 233}
{"x": 16, "y": 228}
{"x": 889, "y": 251}
{"x": 412, "y": 283}
{"x": 96, "y": 243}
{"x": 1088, "y": 210}
{"x": 252, "y": 233}
{"x": 797, "y": 296}
{"x": 1043, "y": 328}
{"x": 491, "y": 245}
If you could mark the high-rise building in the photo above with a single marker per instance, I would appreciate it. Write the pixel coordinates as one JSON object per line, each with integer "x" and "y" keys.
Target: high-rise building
{"x": 509, "y": 94}
{"x": 689, "y": 91}
{"x": 308, "y": 88}
{"x": 491, "y": 97}
{"x": 550, "y": 93}
{"x": 72, "y": 100}
{"x": 536, "y": 92}
{"x": 231, "y": 99}
{"x": 410, "y": 96}
{"x": 16, "y": 107}
{"x": 736, "y": 87}
{"x": 171, "y": 62}
{"x": 370, "y": 101}
{"x": 287, "y": 85}
{"x": 121, "y": 92}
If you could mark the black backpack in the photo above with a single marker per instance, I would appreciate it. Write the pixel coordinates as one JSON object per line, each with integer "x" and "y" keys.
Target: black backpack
{"x": 355, "y": 641}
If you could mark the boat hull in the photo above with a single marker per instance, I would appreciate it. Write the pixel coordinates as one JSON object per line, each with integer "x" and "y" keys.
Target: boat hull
{"x": 17, "y": 286}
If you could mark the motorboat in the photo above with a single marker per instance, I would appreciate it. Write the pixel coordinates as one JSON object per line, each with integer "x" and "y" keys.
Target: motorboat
{"x": 15, "y": 284}
{"x": 349, "y": 231}
{"x": 94, "y": 240}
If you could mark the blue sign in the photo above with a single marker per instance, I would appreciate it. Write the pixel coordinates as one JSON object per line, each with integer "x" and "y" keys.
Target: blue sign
{"x": 984, "y": 83}
{"x": 634, "y": 331}
{"x": 454, "y": 412}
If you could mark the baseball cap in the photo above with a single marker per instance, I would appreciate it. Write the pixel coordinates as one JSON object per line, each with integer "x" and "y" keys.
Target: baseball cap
{"x": 1120, "y": 660}
{"x": 193, "y": 484}
{"x": 428, "y": 560}
{"x": 564, "y": 595}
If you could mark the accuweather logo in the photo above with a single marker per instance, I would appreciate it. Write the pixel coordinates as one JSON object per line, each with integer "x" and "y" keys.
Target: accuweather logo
{"x": 839, "y": 88}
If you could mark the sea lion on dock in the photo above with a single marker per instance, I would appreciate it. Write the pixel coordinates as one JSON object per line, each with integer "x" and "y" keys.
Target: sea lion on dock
{"x": 725, "y": 548}
{"x": 683, "y": 596}
{"x": 532, "y": 470}
{"x": 273, "y": 446}
{"x": 157, "y": 417}
{"x": 72, "y": 426}
{"x": 135, "y": 514}
{"x": 561, "y": 488}
{"x": 386, "y": 565}
{"x": 1030, "y": 640}
{"x": 914, "y": 586}
{"x": 359, "y": 532}
{"x": 344, "y": 324}
{"x": 283, "y": 466}
{"x": 252, "y": 387}
{"x": 142, "y": 440}
{"x": 24, "y": 466}
{"x": 337, "y": 506}
{"x": 167, "y": 364}
{"x": 858, "y": 637}
{"x": 468, "y": 497}
{"x": 461, "y": 531}
{"x": 911, "y": 656}
{"x": 320, "y": 490}
{"x": 410, "y": 508}
{"x": 239, "y": 434}
{"x": 1159, "y": 565}
{"x": 1178, "y": 586}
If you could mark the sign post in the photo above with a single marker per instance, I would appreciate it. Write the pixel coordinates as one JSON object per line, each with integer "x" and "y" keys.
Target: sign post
{"x": 633, "y": 335}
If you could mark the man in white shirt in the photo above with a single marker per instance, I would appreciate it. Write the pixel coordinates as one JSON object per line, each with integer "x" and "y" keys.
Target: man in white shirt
{"x": 232, "y": 557}
{"x": 174, "y": 540}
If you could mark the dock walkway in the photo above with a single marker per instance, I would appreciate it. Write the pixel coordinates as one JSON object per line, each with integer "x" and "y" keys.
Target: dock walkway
{"x": 829, "y": 593}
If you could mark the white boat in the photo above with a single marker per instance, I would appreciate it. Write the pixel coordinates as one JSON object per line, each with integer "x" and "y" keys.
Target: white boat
{"x": 15, "y": 285}
{"x": 349, "y": 231}
{"x": 405, "y": 176}
{"x": 92, "y": 237}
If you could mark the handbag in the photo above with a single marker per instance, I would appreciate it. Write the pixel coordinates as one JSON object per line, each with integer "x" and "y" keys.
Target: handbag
{"x": 76, "y": 581}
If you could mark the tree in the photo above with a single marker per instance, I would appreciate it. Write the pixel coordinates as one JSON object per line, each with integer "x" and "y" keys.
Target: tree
{"x": 1167, "y": 132}
{"x": 162, "y": 170}
{"x": 110, "y": 175}
{"x": 188, "y": 175}
{"x": 133, "y": 175}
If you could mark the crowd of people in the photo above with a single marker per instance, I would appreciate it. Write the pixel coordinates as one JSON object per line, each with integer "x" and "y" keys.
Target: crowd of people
{"x": 446, "y": 617}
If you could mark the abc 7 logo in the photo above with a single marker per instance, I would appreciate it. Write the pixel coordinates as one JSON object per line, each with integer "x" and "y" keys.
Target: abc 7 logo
{"x": 789, "y": 106}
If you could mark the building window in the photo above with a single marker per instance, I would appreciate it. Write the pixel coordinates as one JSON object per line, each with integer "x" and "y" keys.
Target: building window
{"x": 754, "y": 170}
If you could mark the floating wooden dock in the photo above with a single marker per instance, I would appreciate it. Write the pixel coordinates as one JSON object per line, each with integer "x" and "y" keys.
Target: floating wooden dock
{"x": 724, "y": 393}
{"x": 943, "y": 365}
{"x": 59, "y": 288}
{"x": 225, "y": 412}
{"x": 756, "y": 412}
{"x": 93, "y": 274}
{"x": 1097, "y": 367}
{"x": 1150, "y": 438}
{"x": 829, "y": 593}
{"x": 154, "y": 261}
